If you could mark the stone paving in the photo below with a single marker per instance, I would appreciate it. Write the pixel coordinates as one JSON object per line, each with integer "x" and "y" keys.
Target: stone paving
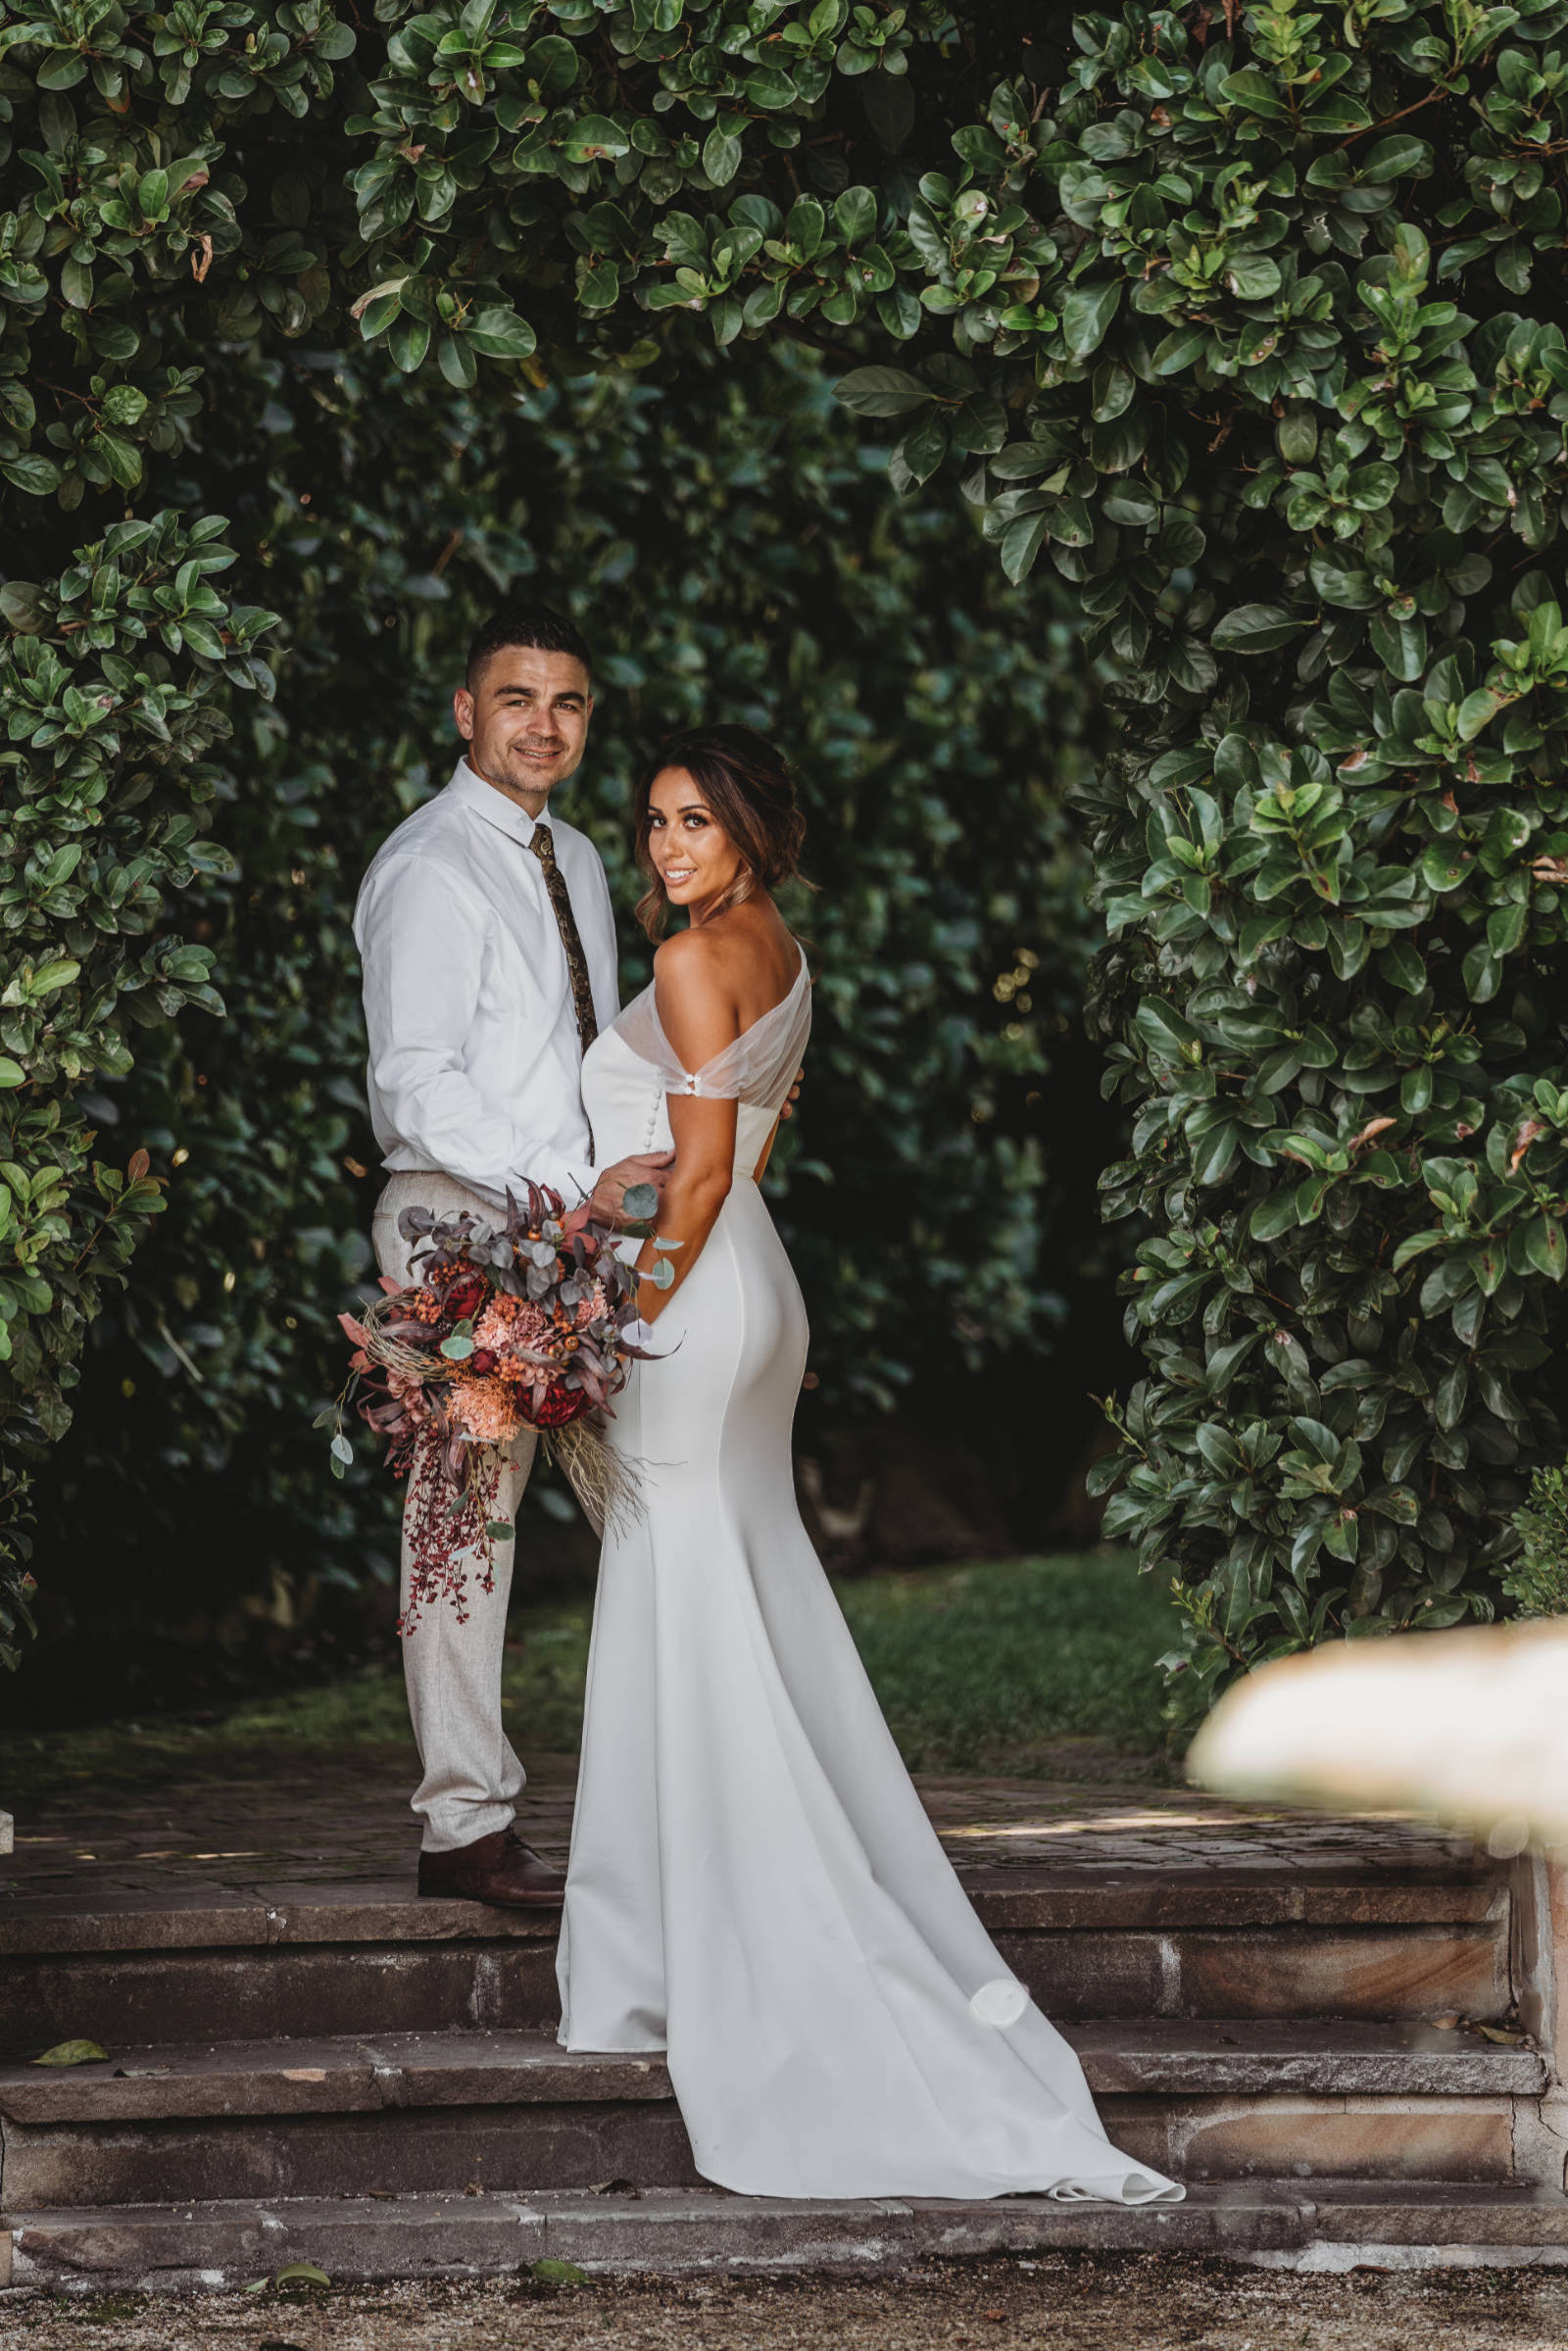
{"x": 1055, "y": 2302}
{"x": 344, "y": 1823}
{"x": 1276, "y": 2006}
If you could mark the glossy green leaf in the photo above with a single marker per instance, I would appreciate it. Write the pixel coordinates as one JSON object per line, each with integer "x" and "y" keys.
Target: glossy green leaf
{"x": 1255, "y": 628}
{"x": 882, "y": 391}
{"x": 1087, "y": 316}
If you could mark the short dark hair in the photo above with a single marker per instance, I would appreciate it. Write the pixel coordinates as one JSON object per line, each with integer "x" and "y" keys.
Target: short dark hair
{"x": 516, "y": 622}
{"x": 746, "y": 784}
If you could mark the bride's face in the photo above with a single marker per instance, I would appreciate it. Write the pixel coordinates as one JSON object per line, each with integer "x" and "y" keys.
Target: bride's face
{"x": 694, "y": 858}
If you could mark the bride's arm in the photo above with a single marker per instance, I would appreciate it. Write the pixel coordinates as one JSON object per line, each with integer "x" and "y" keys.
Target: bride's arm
{"x": 699, "y": 1017}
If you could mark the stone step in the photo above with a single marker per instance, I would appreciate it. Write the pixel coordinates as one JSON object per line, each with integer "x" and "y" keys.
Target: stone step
{"x": 1258, "y": 1942}
{"x": 421, "y": 2113}
{"x": 1324, "y": 2225}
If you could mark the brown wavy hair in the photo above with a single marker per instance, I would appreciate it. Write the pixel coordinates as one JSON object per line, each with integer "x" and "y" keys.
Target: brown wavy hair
{"x": 747, "y": 785}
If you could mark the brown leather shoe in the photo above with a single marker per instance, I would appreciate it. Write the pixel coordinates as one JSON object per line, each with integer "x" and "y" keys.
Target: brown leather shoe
{"x": 497, "y": 1869}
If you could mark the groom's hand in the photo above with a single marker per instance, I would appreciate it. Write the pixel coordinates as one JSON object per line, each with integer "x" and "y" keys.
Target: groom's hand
{"x": 607, "y": 1203}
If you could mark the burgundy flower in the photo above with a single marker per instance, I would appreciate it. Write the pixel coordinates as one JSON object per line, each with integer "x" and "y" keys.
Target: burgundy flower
{"x": 559, "y": 1405}
{"x": 467, "y": 1295}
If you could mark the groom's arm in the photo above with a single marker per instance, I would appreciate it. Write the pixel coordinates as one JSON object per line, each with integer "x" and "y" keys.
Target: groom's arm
{"x": 421, "y": 946}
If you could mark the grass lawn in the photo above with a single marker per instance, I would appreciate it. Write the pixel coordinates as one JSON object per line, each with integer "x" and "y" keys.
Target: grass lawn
{"x": 978, "y": 1665}
{"x": 983, "y": 1667}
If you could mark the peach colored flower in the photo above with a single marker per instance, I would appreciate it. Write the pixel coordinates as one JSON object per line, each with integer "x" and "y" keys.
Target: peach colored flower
{"x": 485, "y": 1409}
{"x": 510, "y": 1319}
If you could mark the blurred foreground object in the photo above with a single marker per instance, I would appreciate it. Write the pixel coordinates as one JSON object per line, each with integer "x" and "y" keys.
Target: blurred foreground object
{"x": 1468, "y": 1727}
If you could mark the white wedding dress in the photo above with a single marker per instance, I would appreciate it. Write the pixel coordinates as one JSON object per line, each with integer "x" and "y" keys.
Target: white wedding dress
{"x": 753, "y": 1885}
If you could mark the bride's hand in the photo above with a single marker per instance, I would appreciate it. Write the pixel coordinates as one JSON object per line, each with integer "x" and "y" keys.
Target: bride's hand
{"x": 607, "y": 1202}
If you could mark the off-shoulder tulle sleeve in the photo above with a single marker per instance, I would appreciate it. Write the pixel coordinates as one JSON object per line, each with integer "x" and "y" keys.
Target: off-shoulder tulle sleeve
{"x": 759, "y": 1067}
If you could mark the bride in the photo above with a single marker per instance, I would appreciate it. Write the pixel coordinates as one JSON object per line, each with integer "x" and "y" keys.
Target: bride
{"x": 753, "y": 1885}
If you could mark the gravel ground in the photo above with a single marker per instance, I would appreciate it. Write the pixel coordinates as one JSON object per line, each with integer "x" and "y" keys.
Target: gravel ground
{"x": 1082, "y": 2302}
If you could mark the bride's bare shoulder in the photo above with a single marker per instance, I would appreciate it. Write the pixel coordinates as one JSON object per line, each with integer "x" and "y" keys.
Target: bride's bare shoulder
{"x": 727, "y": 973}
{"x": 694, "y": 983}
{"x": 682, "y": 947}
{"x": 692, "y": 963}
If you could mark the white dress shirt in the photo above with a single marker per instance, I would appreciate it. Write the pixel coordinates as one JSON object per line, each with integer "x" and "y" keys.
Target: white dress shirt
{"x": 475, "y": 1065}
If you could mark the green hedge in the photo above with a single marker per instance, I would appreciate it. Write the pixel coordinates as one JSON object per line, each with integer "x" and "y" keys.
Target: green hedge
{"x": 727, "y": 548}
{"x": 1181, "y": 314}
{"x": 105, "y": 802}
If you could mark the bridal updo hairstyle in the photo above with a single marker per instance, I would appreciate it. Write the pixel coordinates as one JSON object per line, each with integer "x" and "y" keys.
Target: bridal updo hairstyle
{"x": 749, "y": 792}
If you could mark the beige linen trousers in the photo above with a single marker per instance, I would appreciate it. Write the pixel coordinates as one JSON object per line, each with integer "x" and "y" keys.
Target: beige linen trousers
{"x": 470, "y": 1779}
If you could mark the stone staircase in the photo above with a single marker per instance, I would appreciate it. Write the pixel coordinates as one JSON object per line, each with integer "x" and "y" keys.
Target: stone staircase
{"x": 349, "y": 2076}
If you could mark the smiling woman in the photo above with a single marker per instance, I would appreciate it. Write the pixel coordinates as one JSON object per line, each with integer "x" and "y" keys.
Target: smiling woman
{"x": 718, "y": 827}
{"x": 696, "y": 861}
{"x": 716, "y": 819}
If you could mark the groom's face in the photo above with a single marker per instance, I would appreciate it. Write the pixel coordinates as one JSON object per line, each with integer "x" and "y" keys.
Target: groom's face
{"x": 525, "y": 720}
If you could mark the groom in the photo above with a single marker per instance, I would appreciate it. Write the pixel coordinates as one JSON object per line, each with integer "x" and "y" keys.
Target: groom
{"x": 488, "y": 948}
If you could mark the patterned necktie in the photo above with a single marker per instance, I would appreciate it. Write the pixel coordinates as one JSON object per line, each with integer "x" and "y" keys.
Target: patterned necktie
{"x": 544, "y": 849}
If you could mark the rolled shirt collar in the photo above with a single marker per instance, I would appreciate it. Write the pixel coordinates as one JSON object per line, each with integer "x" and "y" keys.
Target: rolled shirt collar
{"x": 493, "y": 805}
